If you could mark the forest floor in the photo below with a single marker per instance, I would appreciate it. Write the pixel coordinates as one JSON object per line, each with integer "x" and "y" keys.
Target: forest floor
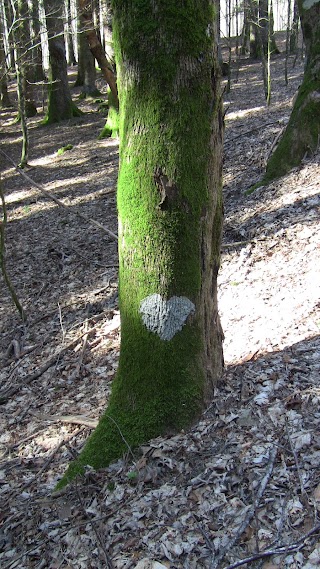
{"x": 244, "y": 482}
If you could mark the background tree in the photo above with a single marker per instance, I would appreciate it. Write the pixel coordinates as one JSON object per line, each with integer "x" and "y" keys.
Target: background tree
{"x": 301, "y": 136}
{"x": 170, "y": 218}
{"x": 25, "y": 62}
{"x": 87, "y": 24}
{"x": 60, "y": 104}
{"x": 86, "y": 77}
{"x": 4, "y": 95}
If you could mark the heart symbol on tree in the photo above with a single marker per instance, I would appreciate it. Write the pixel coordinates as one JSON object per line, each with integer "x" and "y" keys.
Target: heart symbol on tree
{"x": 165, "y": 317}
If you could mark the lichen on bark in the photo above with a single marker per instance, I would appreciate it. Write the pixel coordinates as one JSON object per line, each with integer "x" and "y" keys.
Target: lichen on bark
{"x": 170, "y": 137}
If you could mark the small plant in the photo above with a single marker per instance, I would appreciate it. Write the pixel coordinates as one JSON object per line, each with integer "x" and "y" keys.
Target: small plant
{"x": 132, "y": 476}
{"x": 64, "y": 149}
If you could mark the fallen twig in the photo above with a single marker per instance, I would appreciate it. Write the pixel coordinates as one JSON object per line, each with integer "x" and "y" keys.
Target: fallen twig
{"x": 59, "y": 202}
{"x": 6, "y": 277}
{"x": 73, "y": 419}
{"x": 250, "y": 514}
{"x": 6, "y": 394}
{"x": 100, "y": 540}
{"x": 281, "y": 550}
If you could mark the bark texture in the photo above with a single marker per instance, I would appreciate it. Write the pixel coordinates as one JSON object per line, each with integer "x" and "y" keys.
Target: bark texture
{"x": 86, "y": 19}
{"x": 60, "y": 104}
{"x": 170, "y": 219}
{"x": 301, "y": 136}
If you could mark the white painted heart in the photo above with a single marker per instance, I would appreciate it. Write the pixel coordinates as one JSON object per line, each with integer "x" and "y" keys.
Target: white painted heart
{"x": 165, "y": 317}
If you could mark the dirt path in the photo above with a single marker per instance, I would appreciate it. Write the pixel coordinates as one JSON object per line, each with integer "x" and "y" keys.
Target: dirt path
{"x": 185, "y": 497}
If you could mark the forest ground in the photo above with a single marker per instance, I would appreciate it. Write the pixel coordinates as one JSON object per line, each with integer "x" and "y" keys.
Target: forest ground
{"x": 245, "y": 480}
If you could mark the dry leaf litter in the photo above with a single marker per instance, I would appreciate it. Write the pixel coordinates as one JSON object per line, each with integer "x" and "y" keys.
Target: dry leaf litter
{"x": 244, "y": 482}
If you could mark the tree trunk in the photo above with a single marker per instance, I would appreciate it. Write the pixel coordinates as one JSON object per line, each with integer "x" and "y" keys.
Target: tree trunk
{"x": 25, "y": 60}
{"x": 60, "y": 105}
{"x": 294, "y": 33}
{"x": 301, "y": 136}
{"x": 4, "y": 95}
{"x": 86, "y": 77}
{"x": 170, "y": 219}
{"x": 96, "y": 48}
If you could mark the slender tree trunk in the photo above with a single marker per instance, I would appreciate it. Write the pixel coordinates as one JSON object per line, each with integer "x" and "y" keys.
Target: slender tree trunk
{"x": 25, "y": 54}
{"x": 245, "y": 35}
{"x": 60, "y": 105}
{"x": 4, "y": 95}
{"x": 170, "y": 218}
{"x": 86, "y": 77}
{"x": 96, "y": 48}
{"x": 294, "y": 28}
{"x": 301, "y": 136}
{"x": 36, "y": 52}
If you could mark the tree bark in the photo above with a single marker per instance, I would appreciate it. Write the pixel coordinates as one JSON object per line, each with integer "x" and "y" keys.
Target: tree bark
{"x": 170, "y": 220}
{"x": 86, "y": 77}
{"x": 4, "y": 95}
{"x": 96, "y": 48}
{"x": 60, "y": 104}
{"x": 301, "y": 136}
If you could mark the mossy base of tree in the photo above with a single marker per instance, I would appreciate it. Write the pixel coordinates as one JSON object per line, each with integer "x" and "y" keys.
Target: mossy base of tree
{"x": 55, "y": 117}
{"x": 165, "y": 395}
{"x": 111, "y": 128}
{"x": 31, "y": 109}
{"x": 301, "y": 136}
{"x": 93, "y": 93}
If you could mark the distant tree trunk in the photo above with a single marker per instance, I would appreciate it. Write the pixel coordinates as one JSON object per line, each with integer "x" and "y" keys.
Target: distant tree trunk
{"x": 255, "y": 41}
{"x": 170, "y": 217}
{"x": 96, "y": 48}
{"x": 263, "y": 29}
{"x": 25, "y": 51}
{"x": 245, "y": 34}
{"x": 36, "y": 51}
{"x": 60, "y": 105}
{"x": 301, "y": 136}
{"x": 4, "y": 95}
{"x": 70, "y": 56}
{"x": 273, "y": 48}
{"x": 86, "y": 77}
{"x": 294, "y": 28}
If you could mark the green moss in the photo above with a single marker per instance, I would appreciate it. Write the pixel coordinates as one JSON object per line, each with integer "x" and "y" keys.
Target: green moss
{"x": 54, "y": 115}
{"x": 164, "y": 192}
{"x": 64, "y": 149}
{"x": 301, "y": 135}
{"x": 111, "y": 128}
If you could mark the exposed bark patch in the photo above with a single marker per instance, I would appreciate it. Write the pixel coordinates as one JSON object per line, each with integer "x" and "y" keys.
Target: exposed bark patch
{"x": 167, "y": 188}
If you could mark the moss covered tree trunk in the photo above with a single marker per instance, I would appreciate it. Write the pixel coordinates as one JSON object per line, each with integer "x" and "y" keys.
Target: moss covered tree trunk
{"x": 170, "y": 219}
{"x": 301, "y": 136}
{"x": 60, "y": 104}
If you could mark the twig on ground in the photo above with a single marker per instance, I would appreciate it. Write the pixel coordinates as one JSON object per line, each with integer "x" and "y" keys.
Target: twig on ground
{"x": 281, "y": 550}
{"x": 251, "y": 512}
{"x": 100, "y": 540}
{"x": 76, "y": 372}
{"x": 59, "y": 202}
{"x": 302, "y": 489}
{"x": 205, "y": 535}
{"x": 72, "y": 419}
{"x": 6, "y": 394}
{"x": 6, "y": 277}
